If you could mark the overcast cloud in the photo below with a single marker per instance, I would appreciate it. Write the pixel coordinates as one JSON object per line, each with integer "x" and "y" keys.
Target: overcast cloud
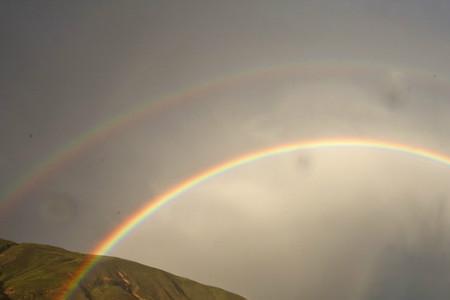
{"x": 342, "y": 223}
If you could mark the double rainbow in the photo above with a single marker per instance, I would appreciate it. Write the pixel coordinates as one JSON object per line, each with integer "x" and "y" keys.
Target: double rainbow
{"x": 154, "y": 204}
{"x": 68, "y": 152}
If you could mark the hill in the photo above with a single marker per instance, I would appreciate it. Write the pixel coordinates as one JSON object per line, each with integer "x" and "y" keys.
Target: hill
{"x": 33, "y": 271}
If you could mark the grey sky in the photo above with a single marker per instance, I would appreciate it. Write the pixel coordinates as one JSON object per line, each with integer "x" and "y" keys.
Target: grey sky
{"x": 318, "y": 224}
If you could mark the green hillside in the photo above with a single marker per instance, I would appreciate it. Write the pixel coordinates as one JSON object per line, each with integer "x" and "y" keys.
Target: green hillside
{"x": 32, "y": 271}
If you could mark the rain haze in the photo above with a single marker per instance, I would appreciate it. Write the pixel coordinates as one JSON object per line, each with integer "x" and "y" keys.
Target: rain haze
{"x": 107, "y": 104}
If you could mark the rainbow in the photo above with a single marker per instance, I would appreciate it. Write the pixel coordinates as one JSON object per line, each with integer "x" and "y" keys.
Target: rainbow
{"x": 38, "y": 173}
{"x": 68, "y": 152}
{"x": 156, "y": 203}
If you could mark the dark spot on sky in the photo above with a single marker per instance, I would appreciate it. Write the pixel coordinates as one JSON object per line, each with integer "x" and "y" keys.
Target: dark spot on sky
{"x": 304, "y": 162}
{"x": 57, "y": 207}
{"x": 394, "y": 98}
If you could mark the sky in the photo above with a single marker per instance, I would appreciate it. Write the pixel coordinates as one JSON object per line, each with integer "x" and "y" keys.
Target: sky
{"x": 233, "y": 77}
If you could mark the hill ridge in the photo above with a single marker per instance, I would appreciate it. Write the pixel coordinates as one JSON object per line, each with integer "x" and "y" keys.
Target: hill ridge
{"x": 35, "y": 271}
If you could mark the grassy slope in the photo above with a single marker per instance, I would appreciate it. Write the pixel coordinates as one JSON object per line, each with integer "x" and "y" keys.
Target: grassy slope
{"x": 32, "y": 271}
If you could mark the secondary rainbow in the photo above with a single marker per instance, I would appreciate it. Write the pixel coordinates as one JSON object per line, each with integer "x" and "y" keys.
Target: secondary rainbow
{"x": 39, "y": 172}
{"x": 157, "y": 202}
{"x": 44, "y": 169}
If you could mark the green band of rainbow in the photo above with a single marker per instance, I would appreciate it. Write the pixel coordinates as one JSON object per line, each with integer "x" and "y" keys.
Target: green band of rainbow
{"x": 155, "y": 203}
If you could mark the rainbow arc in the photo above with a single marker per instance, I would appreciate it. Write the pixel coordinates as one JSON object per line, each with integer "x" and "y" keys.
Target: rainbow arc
{"x": 154, "y": 204}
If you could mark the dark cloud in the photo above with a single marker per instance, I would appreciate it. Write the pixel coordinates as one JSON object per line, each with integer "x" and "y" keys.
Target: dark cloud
{"x": 415, "y": 265}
